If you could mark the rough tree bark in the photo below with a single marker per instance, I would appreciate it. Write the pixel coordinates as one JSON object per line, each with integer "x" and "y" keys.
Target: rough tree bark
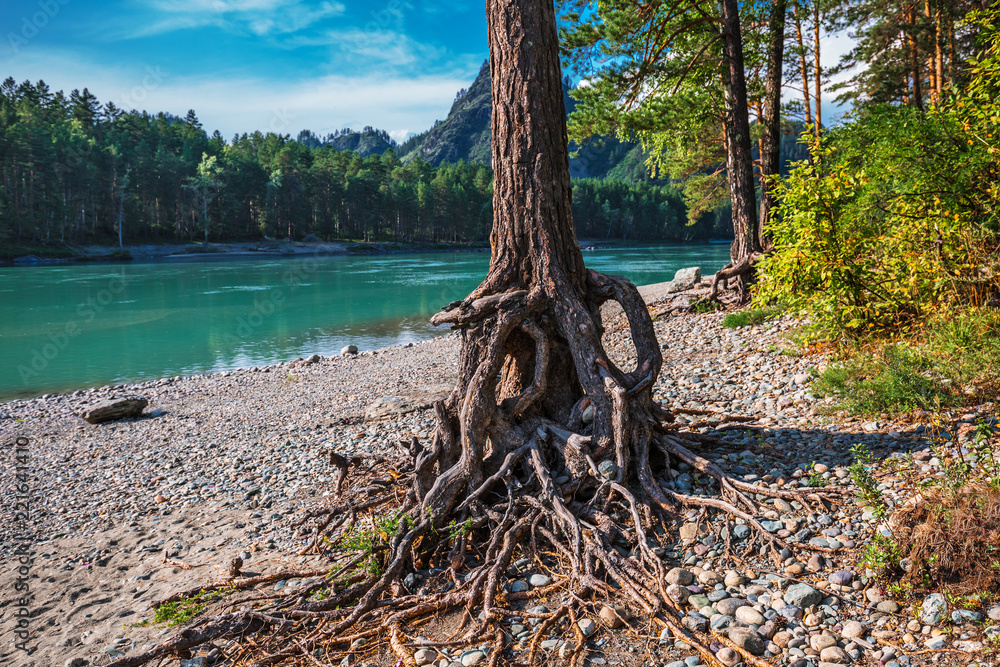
{"x": 746, "y": 248}
{"x": 535, "y": 319}
{"x": 770, "y": 154}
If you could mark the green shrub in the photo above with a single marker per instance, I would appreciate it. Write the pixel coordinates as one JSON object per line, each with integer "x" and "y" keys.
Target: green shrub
{"x": 898, "y": 217}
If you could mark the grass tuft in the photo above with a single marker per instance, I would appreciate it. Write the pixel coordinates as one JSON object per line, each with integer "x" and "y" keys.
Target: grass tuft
{"x": 954, "y": 363}
{"x": 749, "y": 318}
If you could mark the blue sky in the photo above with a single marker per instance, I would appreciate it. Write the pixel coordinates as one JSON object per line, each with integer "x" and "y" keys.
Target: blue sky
{"x": 244, "y": 65}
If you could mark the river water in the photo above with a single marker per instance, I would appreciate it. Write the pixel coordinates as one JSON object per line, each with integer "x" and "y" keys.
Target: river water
{"x": 66, "y": 327}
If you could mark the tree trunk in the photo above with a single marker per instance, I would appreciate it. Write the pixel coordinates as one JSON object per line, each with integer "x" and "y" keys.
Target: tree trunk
{"x": 952, "y": 51}
{"x": 918, "y": 98}
{"x": 739, "y": 159}
{"x": 535, "y": 320}
{"x": 770, "y": 153}
{"x": 817, "y": 68}
{"x": 938, "y": 56}
{"x": 803, "y": 67}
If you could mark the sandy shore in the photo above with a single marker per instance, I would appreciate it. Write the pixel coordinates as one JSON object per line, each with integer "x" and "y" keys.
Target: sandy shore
{"x": 221, "y": 464}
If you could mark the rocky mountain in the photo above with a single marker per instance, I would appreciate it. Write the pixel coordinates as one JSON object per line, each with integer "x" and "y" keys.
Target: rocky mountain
{"x": 367, "y": 142}
{"x": 466, "y": 135}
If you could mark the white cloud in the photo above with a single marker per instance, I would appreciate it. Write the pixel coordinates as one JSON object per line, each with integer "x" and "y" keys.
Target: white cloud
{"x": 237, "y": 105}
{"x": 401, "y": 135}
{"x": 259, "y": 17}
{"x": 374, "y": 49}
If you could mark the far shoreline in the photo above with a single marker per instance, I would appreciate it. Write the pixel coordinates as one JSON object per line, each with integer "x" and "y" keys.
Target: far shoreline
{"x": 238, "y": 250}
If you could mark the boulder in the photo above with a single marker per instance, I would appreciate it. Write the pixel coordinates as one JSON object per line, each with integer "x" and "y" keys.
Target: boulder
{"x": 684, "y": 279}
{"x": 114, "y": 409}
{"x": 406, "y": 402}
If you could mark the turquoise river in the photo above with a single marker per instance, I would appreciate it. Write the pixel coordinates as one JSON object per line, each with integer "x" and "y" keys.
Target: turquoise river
{"x": 69, "y": 326}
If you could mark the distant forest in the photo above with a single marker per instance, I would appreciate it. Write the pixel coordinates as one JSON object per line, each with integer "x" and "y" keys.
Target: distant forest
{"x": 75, "y": 171}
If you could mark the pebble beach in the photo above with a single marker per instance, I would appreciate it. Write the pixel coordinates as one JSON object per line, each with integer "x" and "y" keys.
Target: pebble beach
{"x": 219, "y": 465}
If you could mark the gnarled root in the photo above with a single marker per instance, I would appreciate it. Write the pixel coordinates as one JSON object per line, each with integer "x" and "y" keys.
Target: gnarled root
{"x": 545, "y": 450}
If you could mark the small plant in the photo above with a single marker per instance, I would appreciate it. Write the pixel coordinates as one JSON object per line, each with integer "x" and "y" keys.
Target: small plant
{"x": 954, "y": 361}
{"x": 704, "y": 307}
{"x": 372, "y": 541}
{"x": 882, "y": 555}
{"x": 868, "y": 491}
{"x": 815, "y": 477}
{"x": 457, "y": 530}
{"x": 749, "y": 318}
{"x": 181, "y": 611}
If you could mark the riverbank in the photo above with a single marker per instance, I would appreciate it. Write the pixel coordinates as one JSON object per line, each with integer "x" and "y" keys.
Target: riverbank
{"x": 27, "y": 256}
{"x": 65, "y": 253}
{"x": 221, "y": 465}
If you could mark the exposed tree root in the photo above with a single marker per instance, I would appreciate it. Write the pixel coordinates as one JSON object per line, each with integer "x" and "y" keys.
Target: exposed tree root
{"x": 500, "y": 480}
{"x": 735, "y": 270}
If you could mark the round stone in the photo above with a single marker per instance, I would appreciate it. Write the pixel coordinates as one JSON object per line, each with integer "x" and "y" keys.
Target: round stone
{"x": 733, "y": 579}
{"x": 834, "y": 654}
{"x": 470, "y": 658}
{"x": 749, "y": 615}
{"x": 587, "y": 626}
{"x": 729, "y": 606}
{"x": 678, "y": 594}
{"x": 853, "y": 630}
{"x": 424, "y": 656}
{"x": 680, "y": 576}
{"x": 710, "y": 578}
{"x": 842, "y": 578}
{"x": 747, "y": 639}
{"x": 888, "y": 607}
{"x": 539, "y": 580}
{"x": 610, "y": 617}
{"x": 820, "y": 642}
{"x": 728, "y": 656}
{"x": 933, "y": 607}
